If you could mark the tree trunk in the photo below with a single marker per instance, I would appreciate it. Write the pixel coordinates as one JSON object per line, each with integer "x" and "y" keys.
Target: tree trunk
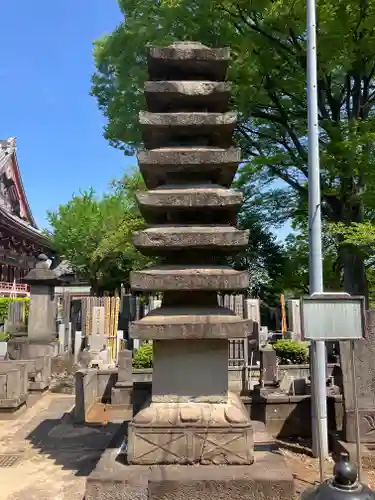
{"x": 355, "y": 281}
{"x": 351, "y": 257}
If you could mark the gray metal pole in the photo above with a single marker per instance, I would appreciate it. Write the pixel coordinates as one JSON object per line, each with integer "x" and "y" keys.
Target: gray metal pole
{"x": 319, "y": 400}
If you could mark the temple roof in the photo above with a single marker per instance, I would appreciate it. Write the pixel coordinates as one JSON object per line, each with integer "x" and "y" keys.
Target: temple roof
{"x": 15, "y": 212}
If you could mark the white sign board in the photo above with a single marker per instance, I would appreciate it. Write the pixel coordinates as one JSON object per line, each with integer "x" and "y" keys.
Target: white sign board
{"x": 333, "y": 317}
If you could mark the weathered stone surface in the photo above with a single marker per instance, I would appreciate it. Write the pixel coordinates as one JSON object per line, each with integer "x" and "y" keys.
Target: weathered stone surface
{"x": 183, "y": 433}
{"x": 122, "y": 392}
{"x": 197, "y": 128}
{"x": 190, "y": 323}
{"x": 365, "y": 375}
{"x": 188, "y": 60}
{"x": 187, "y": 96}
{"x": 188, "y": 278}
{"x": 206, "y": 362}
{"x": 158, "y": 240}
{"x": 198, "y": 164}
{"x": 13, "y": 385}
{"x": 267, "y": 478}
{"x": 166, "y": 205}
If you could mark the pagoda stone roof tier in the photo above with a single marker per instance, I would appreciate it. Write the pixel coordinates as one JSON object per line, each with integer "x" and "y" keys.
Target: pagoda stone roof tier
{"x": 188, "y": 278}
{"x": 188, "y": 61}
{"x": 163, "y": 240}
{"x": 197, "y": 164}
{"x": 195, "y": 128}
{"x": 162, "y": 97}
{"x": 186, "y": 204}
{"x": 183, "y": 323}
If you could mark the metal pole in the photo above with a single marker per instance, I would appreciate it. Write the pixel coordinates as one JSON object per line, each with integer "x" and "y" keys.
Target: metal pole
{"x": 320, "y": 428}
{"x": 356, "y": 412}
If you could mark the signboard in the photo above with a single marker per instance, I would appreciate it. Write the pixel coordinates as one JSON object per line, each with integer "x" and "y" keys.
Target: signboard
{"x": 333, "y": 317}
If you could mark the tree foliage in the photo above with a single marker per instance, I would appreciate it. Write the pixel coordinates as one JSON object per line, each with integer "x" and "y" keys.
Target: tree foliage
{"x": 94, "y": 233}
{"x": 268, "y": 71}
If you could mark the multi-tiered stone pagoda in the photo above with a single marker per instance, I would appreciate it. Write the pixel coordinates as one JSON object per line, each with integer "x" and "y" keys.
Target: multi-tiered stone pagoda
{"x": 188, "y": 166}
{"x": 194, "y": 440}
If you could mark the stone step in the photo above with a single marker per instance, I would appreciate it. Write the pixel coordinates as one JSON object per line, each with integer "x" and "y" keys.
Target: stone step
{"x": 189, "y": 278}
{"x": 167, "y": 204}
{"x": 192, "y": 129}
{"x": 198, "y": 164}
{"x": 181, "y": 323}
{"x": 160, "y": 240}
{"x": 188, "y": 61}
{"x": 162, "y": 97}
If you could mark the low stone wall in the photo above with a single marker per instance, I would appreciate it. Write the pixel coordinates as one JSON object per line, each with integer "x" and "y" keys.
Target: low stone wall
{"x": 38, "y": 371}
{"x": 237, "y": 375}
{"x": 92, "y": 385}
{"x": 283, "y": 415}
{"x": 13, "y": 385}
{"x": 290, "y": 416}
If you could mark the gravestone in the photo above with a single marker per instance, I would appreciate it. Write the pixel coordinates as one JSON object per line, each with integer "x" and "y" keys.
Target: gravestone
{"x": 365, "y": 375}
{"x": 294, "y": 318}
{"x": 123, "y": 389}
{"x": 15, "y": 322}
{"x": 98, "y": 338}
{"x": 252, "y": 311}
{"x": 268, "y": 372}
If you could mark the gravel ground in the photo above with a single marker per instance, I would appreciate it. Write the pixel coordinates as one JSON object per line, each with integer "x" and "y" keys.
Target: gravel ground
{"x": 305, "y": 468}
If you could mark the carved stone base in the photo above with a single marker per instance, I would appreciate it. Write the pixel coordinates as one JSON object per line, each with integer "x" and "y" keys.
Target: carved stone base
{"x": 192, "y": 433}
{"x": 366, "y": 425}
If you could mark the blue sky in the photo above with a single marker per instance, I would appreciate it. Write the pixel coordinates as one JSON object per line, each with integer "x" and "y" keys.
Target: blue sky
{"x": 45, "y": 79}
{"x": 44, "y": 87}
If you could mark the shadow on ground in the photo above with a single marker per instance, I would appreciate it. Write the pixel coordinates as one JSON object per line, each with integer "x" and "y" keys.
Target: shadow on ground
{"x": 72, "y": 446}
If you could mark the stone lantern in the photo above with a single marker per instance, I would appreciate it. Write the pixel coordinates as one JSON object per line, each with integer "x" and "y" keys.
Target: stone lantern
{"x": 41, "y": 329}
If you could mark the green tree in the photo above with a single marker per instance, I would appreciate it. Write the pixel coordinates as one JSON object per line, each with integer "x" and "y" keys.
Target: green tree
{"x": 268, "y": 42}
{"x": 264, "y": 258}
{"x": 296, "y": 271}
{"x": 94, "y": 233}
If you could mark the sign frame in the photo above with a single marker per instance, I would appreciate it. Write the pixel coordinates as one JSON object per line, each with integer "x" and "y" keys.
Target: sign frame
{"x": 330, "y": 298}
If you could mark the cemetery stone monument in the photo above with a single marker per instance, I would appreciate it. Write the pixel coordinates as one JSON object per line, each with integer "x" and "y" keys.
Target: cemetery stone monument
{"x": 191, "y": 216}
{"x": 193, "y": 439}
{"x": 123, "y": 389}
{"x": 42, "y": 326}
{"x": 15, "y": 322}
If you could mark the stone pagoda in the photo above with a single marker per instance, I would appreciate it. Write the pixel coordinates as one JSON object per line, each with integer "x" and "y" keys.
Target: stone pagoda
{"x": 188, "y": 166}
{"x": 193, "y": 439}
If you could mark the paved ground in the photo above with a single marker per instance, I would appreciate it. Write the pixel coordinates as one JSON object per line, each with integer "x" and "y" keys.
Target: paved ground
{"x": 54, "y": 456}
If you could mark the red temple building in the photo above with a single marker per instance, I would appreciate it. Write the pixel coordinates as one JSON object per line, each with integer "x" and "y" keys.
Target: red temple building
{"x": 20, "y": 239}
